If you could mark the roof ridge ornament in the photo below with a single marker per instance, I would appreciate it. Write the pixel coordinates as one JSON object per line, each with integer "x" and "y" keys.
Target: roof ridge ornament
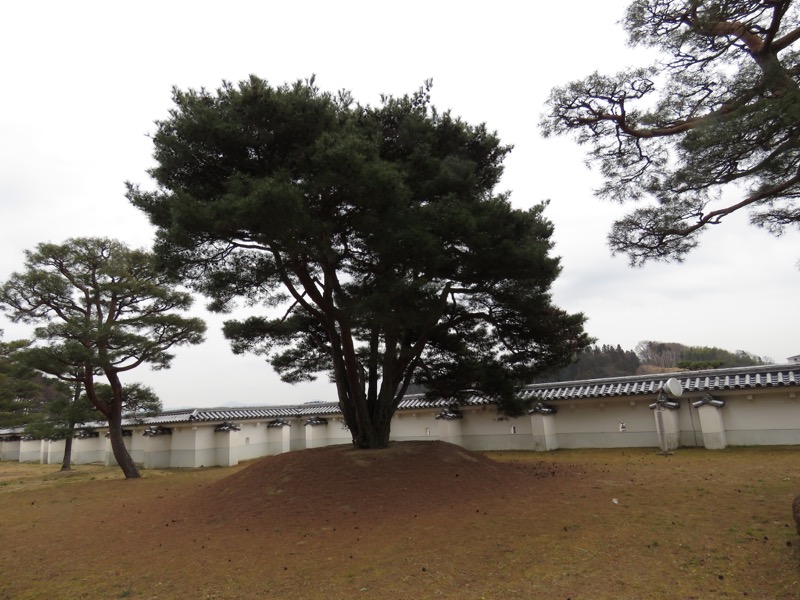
{"x": 157, "y": 430}
{"x": 671, "y": 388}
{"x": 708, "y": 399}
{"x": 227, "y": 426}
{"x": 450, "y": 413}
{"x": 667, "y": 390}
{"x": 542, "y": 409}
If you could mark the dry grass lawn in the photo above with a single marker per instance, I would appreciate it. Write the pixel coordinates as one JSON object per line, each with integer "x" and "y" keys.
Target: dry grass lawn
{"x": 419, "y": 520}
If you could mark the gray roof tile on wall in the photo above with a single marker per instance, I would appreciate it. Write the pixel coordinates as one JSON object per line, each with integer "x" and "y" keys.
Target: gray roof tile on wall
{"x": 204, "y": 415}
{"x": 692, "y": 382}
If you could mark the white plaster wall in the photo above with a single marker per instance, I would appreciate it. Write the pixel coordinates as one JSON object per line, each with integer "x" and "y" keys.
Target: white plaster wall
{"x": 254, "y": 440}
{"x": 756, "y": 417}
{"x": 596, "y": 424}
{"x": 277, "y": 440}
{"x": 157, "y": 450}
{"x": 88, "y": 450}
{"x": 54, "y": 451}
{"x": 30, "y": 451}
{"x": 331, "y": 433}
{"x": 136, "y": 443}
{"x": 337, "y": 432}
{"x": 9, "y": 450}
{"x": 415, "y": 425}
{"x": 316, "y": 436}
{"x": 483, "y": 429}
{"x": 189, "y": 446}
{"x": 762, "y": 420}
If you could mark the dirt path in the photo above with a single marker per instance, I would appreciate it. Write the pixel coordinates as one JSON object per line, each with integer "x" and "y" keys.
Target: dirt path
{"x": 420, "y": 520}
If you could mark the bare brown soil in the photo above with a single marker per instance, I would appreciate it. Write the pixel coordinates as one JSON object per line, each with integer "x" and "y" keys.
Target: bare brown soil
{"x": 418, "y": 520}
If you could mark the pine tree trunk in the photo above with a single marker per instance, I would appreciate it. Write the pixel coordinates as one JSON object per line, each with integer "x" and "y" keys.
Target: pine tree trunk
{"x": 373, "y": 438}
{"x": 66, "y": 464}
{"x": 121, "y": 453}
{"x": 366, "y": 413}
{"x": 373, "y": 435}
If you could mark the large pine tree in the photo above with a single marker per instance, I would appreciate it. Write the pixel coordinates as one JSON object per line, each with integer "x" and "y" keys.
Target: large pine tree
{"x": 372, "y": 237}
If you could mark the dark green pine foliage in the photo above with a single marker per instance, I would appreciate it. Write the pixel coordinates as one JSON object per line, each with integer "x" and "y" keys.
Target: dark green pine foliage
{"x": 100, "y": 309}
{"x": 138, "y": 400}
{"x": 712, "y": 128}
{"x": 597, "y": 362}
{"x": 64, "y": 410}
{"x": 371, "y": 238}
{"x": 19, "y": 386}
{"x": 705, "y": 357}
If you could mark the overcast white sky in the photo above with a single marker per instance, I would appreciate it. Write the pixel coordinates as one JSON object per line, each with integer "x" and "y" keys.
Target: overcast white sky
{"x": 84, "y": 81}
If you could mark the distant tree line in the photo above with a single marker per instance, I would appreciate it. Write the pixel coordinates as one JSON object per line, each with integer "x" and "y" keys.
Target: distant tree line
{"x": 674, "y": 355}
{"x": 100, "y": 309}
{"x": 24, "y": 392}
{"x": 43, "y": 407}
{"x": 596, "y": 362}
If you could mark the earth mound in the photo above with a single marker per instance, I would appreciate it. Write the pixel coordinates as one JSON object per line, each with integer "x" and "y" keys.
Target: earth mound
{"x": 340, "y": 482}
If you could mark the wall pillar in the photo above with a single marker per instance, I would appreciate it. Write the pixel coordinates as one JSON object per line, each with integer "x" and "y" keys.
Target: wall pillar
{"x": 227, "y": 443}
{"x": 543, "y": 430}
{"x": 275, "y": 440}
{"x": 667, "y": 423}
{"x": 54, "y": 451}
{"x": 297, "y": 435}
{"x": 450, "y": 431}
{"x": 713, "y": 427}
{"x": 316, "y": 435}
{"x": 283, "y": 437}
{"x": 286, "y": 438}
{"x": 191, "y": 446}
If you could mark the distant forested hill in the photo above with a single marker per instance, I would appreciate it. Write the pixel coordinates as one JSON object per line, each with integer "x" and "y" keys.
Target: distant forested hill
{"x": 649, "y": 357}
